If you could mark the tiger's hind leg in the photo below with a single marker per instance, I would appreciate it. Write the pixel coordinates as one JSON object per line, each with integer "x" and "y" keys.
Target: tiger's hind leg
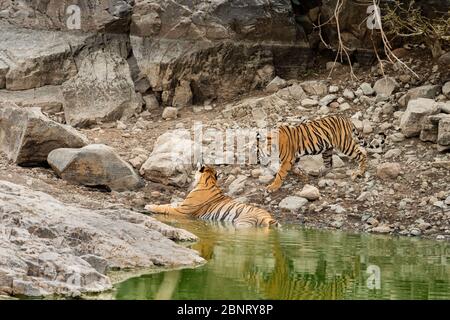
{"x": 327, "y": 157}
{"x": 355, "y": 151}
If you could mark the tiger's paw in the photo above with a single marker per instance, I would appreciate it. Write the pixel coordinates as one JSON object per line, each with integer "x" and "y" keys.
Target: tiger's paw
{"x": 273, "y": 187}
{"x": 356, "y": 174}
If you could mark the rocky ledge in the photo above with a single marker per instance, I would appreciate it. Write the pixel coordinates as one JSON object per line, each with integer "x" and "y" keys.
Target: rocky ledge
{"x": 48, "y": 247}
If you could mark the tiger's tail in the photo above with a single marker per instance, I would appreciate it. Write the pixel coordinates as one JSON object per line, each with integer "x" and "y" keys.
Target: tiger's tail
{"x": 374, "y": 144}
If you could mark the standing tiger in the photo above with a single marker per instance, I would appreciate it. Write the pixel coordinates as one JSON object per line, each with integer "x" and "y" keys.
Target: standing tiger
{"x": 312, "y": 137}
{"x": 207, "y": 201}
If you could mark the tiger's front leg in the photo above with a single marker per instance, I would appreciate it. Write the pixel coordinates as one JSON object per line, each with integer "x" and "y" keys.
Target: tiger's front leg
{"x": 281, "y": 174}
{"x": 162, "y": 209}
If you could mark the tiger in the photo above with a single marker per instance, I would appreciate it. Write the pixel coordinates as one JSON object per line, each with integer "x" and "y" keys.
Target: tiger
{"x": 313, "y": 137}
{"x": 208, "y": 202}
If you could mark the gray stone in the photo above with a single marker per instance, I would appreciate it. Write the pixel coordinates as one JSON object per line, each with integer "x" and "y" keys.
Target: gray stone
{"x": 35, "y": 58}
{"x": 309, "y": 192}
{"x": 427, "y": 91}
{"x": 36, "y": 266}
{"x": 102, "y": 90}
{"x": 276, "y": 84}
{"x": 151, "y": 103}
{"x": 171, "y": 159}
{"x": 309, "y": 102}
{"x": 183, "y": 95}
{"x": 348, "y": 94}
{"x": 367, "y": 89}
{"x": 98, "y": 263}
{"x": 388, "y": 170}
{"x": 446, "y": 89}
{"x": 313, "y": 87}
{"x": 385, "y": 86}
{"x": 169, "y": 113}
{"x": 237, "y": 186}
{"x": 414, "y": 116}
{"x": 27, "y": 136}
{"x": 94, "y": 165}
{"x": 325, "y": 101}
{"x": 292, "y": 203}
{"x": 48, "y": 98}
{"x": 443, "y": 137}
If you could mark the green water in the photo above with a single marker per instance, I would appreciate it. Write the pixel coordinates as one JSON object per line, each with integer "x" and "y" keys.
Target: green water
{"x": 295, "y": 263}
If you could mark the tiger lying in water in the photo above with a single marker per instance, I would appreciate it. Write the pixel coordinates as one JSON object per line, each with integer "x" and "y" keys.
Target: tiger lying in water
{"x": 315, "y": 137}
{"x": 207, "y": 201}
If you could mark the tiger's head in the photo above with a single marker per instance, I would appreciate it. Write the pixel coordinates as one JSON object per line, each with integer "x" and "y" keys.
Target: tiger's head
{"x": 263, "y": 148}
{"x": 205, "y": 175}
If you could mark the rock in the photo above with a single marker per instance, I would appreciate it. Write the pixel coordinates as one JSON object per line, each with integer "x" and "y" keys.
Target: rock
{"x": 333, "y": 89}
{"x": 294, "y": 92}
{"x": 46, "y": 60}
{"x": 446, "y": 89}
{"x": 334, "y": 105}
{"x": 171, "y": 159}
{"x": 27, "y": 136}
{"x": 48, "y": 98}
{"x": 443, "y": 137}
{"x": 276, "y": 84}
{"x": 392, "y": 153}
{"x": 367, "y": 89}
{"x": 415, "y": 232}
{"x": 145, "y": 20}
{"x": 309, "y": 103}
{"x": 315, "y": 88}
{"x": 309, "y": 192}
{"x": 223, "y": 48}
{"x": 99, "y": 15}
{"x": 119, "y": 238}
{"x": 344, "y": 106}
{"x": 444, "y": 59}
{"x": 385, "y": 86}
{"x": 388, "y": 170}
{"x": 427, "y": 91}
{"x": 94, "y": 165}
{"x": 348, "y": 94}
{"x": 325, "y": 101}
{"x": 102, "y": 90}
{"x": 183, "y": 95}
{"x": 414, "y": 116}
{"x": 151, "y": 103}
{"x": 138, "y": 161}
{"x": 98, "y": 263}
{"x": 237, "y": 186}
{"x": 372, "y": 221}
{"x": 367, "y": 126}
{"x": 265, "y": 179}
{"x": 292, "y": 203}
{"x": 382, "y": 229}
{"x": 333, "y": 65}
{"x": 170, "y": 113}
{"x": 397, "y": 137}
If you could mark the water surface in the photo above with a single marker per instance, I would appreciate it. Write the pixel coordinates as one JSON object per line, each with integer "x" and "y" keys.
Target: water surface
{"x": 297, "y": 263}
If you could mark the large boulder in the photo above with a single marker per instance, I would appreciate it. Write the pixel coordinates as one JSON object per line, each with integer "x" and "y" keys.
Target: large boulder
{"x": 27, "y": 136}
{"x": 413, "y": 118}
{"x": 96, "y": 15}
{"x": 48, "y": 98}
{"x": 222, "y": 48}
{"x": 94, "y": 165}
{"x": 34, "y": 58}
{"x": 427, "y": 91}
{"x": 54, "y": 248}
{"x": 101, "y": 91}
{"x": 170, "y": 162}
